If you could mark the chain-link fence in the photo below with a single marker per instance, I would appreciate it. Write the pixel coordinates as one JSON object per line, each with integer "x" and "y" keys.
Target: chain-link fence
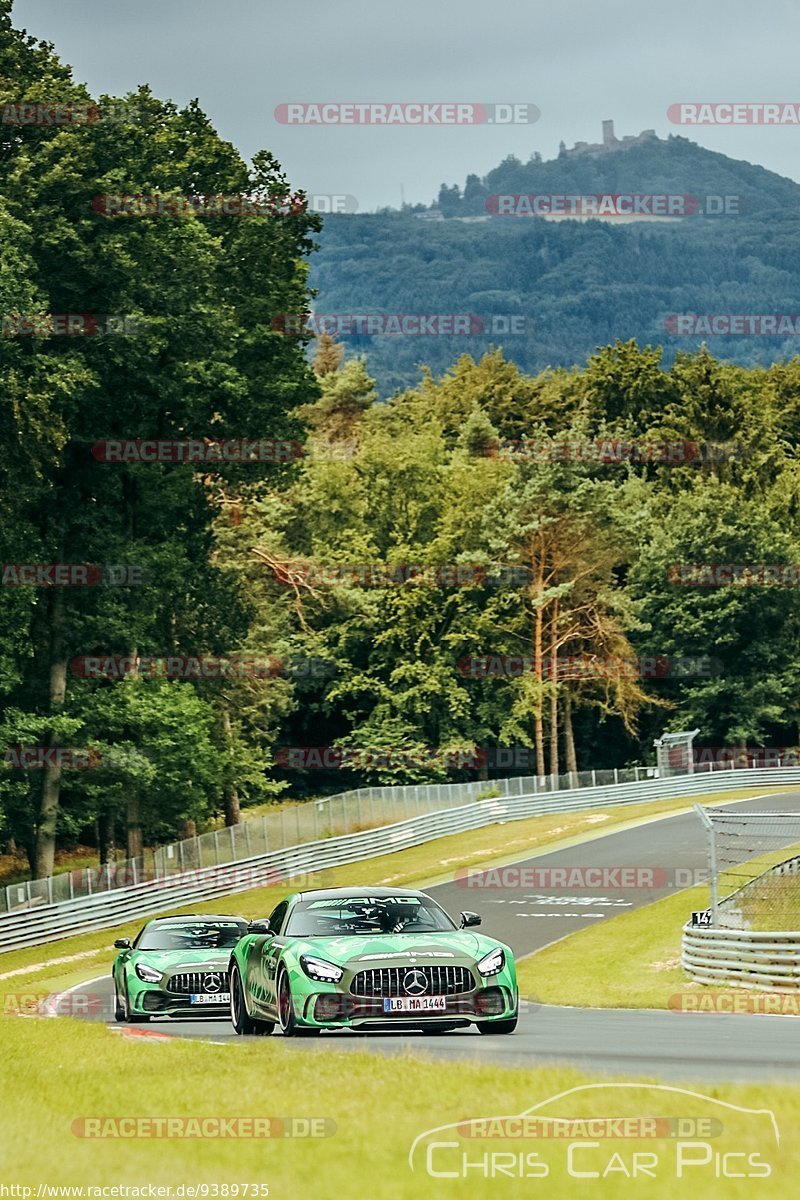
{"x": 754, "y": 868}
{"x": 292, "y": 825}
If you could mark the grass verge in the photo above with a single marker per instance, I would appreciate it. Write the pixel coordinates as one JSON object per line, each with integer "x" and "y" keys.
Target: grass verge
{"x": 56, "y": 1073}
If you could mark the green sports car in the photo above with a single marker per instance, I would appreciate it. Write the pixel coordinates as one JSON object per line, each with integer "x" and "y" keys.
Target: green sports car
{"x": 369, "y": 958}
{"x": 176, "y": 966}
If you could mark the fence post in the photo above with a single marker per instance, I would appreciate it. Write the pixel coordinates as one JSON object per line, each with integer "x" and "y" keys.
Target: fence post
{"x": 233, "y": 844}
{"x": 594, "y": 777}
{"x": 712, "y": 861}
{"x": 616, "y": 775}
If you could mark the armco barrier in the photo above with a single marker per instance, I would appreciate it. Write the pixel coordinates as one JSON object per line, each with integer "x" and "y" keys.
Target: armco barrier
{"x": 742, "y": 958}
{"x": 285, "y": 825}
{"x": 50, "y": 922}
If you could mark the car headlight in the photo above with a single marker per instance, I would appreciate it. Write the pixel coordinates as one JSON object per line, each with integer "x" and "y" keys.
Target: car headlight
{"x": 493, "y": 962}
{"x": 319, "y": 969}
{"x": 148, "y": 974}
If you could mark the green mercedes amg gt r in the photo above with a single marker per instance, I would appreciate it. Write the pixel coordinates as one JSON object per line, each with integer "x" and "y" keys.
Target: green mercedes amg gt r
{"x": 369, "y": 958}
{"x": 176, "y": 967}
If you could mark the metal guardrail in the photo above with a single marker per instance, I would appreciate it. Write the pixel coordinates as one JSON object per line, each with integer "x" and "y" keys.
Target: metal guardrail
{"x": 50, "y": 922}
{"x": 741, "y": 957}
{"x": 744, "y": 958}
{"x": 292, "y": 825}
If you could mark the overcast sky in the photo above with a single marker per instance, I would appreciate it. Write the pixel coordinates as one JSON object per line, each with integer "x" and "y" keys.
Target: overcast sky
{"x": 578, "y": 61}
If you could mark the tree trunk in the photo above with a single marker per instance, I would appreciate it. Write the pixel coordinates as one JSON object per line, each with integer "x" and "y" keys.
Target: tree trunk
{"x": 569, "y": 736}
{"x": 106, "y": 839}
{"x": 133, "y": 815}
{"x": 51, "y": 781}
{"x": 134, "y": 823}
{"x": 230, "y": 795}
{"x": 554, "y": 691}
{"x": 538, "y": 725}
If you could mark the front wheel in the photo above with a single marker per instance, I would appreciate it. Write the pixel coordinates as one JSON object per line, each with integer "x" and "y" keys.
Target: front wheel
{"x": 125, "y": 1009}
{"x": 243, "y": 1023}
{"x": 119, "y": 1010}
{"x": 498, "y": 1026}
{"x": 286, "y": 1017}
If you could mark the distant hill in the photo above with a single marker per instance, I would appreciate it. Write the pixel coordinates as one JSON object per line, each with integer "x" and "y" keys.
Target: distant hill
{"x": 571, "y": 285}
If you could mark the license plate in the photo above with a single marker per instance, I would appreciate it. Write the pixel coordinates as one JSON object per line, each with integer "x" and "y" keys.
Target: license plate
{"x": 211, "y": 998}
{"x": 414, "y": 1004}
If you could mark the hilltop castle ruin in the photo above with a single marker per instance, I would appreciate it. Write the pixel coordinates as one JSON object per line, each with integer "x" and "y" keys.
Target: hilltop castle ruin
{"x": 608, "y": 144}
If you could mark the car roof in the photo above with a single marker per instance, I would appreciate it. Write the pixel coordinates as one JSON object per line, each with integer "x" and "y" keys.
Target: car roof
{"x": 376, "y": 893}
{"x": 193, "y": 919}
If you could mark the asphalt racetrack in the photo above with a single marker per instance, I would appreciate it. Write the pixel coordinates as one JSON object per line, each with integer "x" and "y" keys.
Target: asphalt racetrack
{"x": 703, "y": 1047}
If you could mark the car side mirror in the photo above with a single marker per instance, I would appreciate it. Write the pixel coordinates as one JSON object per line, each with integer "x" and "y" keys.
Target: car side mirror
{"x": 122, "y": 944}
{"x": 259, "y": 927}
{"x": 470, "y": 918}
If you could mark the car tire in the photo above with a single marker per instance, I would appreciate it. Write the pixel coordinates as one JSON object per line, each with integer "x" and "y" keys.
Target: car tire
{"x": 127, "y": 1016}
{"x": 285, "y": 1004}
{"x": 507, "y": 1026}
{"x": 241, "y": 1020}
{"x": 119, "y": 1011}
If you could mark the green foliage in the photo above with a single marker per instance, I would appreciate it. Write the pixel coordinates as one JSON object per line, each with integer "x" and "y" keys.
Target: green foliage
{"x": 577, "y": 285}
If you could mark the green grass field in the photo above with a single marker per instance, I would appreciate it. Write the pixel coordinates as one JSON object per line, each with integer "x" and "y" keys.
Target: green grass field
{"x": 58, "y": 1072}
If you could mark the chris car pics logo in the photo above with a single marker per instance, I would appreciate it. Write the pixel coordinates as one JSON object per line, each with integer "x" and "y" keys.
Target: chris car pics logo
{"x": 608, "y": 1131}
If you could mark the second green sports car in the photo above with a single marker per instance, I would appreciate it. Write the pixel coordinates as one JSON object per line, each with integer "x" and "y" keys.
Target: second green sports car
{"x": 176, "y": 966}
{"x": 369, "y": 958}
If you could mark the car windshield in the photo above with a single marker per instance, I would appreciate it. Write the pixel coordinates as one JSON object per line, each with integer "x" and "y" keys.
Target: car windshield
{"x": 330, "y": 917}
{"x": 199, "y": 935}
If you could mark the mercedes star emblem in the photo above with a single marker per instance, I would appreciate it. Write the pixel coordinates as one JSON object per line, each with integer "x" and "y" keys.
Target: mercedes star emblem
{"x": 415, "y": 983}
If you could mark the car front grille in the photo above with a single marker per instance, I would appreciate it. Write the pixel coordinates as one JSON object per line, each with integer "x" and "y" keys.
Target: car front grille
{"x": 388, "y": 981}
{"x": 193, "y": 983}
